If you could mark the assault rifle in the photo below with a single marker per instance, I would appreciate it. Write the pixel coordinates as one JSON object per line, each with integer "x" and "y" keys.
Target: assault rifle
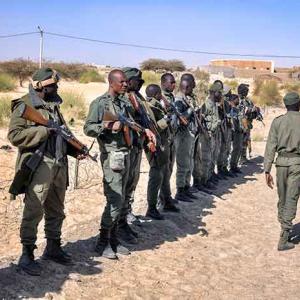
{"x": 173, "y": 108}
{"x": 128, "y": 123}
{"x": 30, "y": 114}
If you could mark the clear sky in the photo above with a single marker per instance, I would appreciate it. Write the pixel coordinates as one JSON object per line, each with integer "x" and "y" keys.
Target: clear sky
{"x": 248, "y": 26}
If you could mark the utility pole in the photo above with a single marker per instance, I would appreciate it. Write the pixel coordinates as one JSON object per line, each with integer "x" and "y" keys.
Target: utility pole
{"x": 41, "y": 45}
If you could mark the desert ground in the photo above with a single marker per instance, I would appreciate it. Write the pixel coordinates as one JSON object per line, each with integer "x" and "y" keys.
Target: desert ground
{"x": 218, "y": 247}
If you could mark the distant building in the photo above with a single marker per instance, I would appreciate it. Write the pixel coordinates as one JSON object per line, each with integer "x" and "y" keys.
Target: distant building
{"x": 258, "y": 65}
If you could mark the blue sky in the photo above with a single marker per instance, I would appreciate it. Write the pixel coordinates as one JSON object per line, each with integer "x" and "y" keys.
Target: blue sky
{"x": 257, "y": 26}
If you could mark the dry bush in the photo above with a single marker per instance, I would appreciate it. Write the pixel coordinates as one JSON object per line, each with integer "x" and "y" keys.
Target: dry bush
{"x": 291, "y": 87}
{"x": 5, "y": 110}
{"x": 267, "y": 93}
{"x": 156, "y": 64}
{"x": 73, "y": 106}
{"x": 201, "y": 75}
{"x": 233, "y": 84}
{"x": 151, "y": 77}
{"x": 258, "y": 137}
{"x": 7, "y": 82}
{"x": 91, "y": 76}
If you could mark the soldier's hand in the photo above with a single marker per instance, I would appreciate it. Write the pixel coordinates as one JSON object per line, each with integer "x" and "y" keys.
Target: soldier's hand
{"x": 150, "y": 135}
{"x": 269, "y": 180}
{"x": 81, "y": 157}
{"x": 117, "y": 126}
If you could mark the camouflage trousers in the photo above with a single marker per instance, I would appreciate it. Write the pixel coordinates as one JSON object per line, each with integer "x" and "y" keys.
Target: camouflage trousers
{"x": 215, "y": 149}
{"x": 44, "y": 197}
{"x": 246, "y": 144}
{"x": 237, "y": 144}
{"x": 114, "y": 184}
{"x": 288, "y": 182}
{"x": 226, "y": 139}
{"x": 184, "y": 144}
{"x": 202, "y": 160}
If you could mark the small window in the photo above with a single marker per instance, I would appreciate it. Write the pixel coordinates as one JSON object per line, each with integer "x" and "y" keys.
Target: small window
{"x": 254, "y": 68}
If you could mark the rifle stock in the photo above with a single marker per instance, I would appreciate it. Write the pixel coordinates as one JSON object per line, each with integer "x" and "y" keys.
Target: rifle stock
{"x": 30, "y": 114}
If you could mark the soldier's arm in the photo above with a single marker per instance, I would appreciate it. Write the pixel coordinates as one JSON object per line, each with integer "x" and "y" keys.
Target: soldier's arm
{"x": 94, "y": 126}
{"x": 24, "y": 136}
{"x": 271, "y": 148}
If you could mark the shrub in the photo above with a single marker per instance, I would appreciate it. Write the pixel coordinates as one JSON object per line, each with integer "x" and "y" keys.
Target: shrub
{"x": 269, "y": 94}
{"x": 73, "y": 106}
{"x": 155, "y": 64}
{"x": 19, "y": 68}
{"x": 91, "y": 76}
{"x": 233, "y": 84}
{"x": 201, "y": 91}
{"x": 151, "y": 77}
{"x": 291, "y": 87}
{"x": 201, "y": 75}
{"x": 258, "y": 137}
{"x": 7, "y": 83}
{"x": 5, "y": 104}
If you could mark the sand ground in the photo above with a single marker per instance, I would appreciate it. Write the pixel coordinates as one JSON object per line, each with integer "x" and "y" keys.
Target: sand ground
{"x": 218, "y": 247}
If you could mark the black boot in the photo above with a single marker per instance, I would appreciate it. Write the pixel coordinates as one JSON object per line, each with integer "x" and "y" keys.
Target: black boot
{"x": 126, "y": 234}
{"x": 153, "y": 213}
{"x": 189, "y": 193}
{"x": 222, "y": 175}
{"x": 181, "y": 196}
{"x": 103, "y": 246}
{"x": 170, "y": 206}
{"x": 27, "y": 262}
{"x": 201, "y": 188}
{"x": 227, "y": 173}
{"x": 284, "y": 243}
{"x": 210, "y": 186}
{"x": 236, "y": 170}
{"x": 116, "y": 244}
{"x": 54, "y": 252}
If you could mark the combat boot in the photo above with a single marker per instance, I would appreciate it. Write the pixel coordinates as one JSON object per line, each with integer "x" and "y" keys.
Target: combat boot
{"x": 103, "y": 246}
{"x": 209, "y": 185}
{"x": 236, "y": 170}
{"x": 222, "y": 175}
{"x": 227, "y": 173}
{"x": 189, "y": 193}
{"x": 181, "y": 196}
{"x": 116, "y": 244}
{"x": 153, "y": 213}
{"x": 54, "y": 252}
{"x": 27, "y": 262}
{"x": 170, "y": 206}
{"x": 126, "y": 234}
{"x": 284, "y": 244}
{"x": 200, "y": 187}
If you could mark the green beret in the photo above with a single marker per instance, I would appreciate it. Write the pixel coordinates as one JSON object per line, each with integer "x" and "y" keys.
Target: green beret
{"x": 44, "y": 77}
{"x": 215, "y": 87}
{"x": 131, "y": 72}
{"x": 291, "y": 98}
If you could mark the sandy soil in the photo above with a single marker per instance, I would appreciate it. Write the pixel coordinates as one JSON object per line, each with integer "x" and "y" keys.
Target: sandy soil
{"x": 218, "y": 247}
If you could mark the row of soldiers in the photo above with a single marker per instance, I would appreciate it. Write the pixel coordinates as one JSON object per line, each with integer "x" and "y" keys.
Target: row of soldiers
{"x": 207, "y": 141}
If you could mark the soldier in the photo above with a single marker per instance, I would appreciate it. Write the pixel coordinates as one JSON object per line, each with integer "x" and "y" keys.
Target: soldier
{"x": 167, "y": 86}
{"x": 185, "y": 142}
{"x": 45, "y": 193}
{"x": 284, "y": 139}
{"x": 213, "y": 123}
{"x": 226, "y": 134}
{"x": 160, "y": 160}
{"x": 143, "y": 116}
{"x": 237, "y": 133}
{"x": 115, "y": 159}
{"x": 247, "y": 105}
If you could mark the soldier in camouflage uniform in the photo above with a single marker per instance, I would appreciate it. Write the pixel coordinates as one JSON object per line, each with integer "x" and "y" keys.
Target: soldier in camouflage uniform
{"x": 46, "y": 192}
{"x": 115, "y": 160}
{"x": 236, "y": 115}
{"x": 160, "y": 160}
{"x": 246, "y": 104}
{"x": 284, "y": 139}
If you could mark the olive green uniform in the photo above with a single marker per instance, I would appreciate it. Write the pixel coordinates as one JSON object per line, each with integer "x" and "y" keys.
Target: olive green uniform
{"x": 165, "y": 191}
{"x": 113, "y": 149}
{"x": 46, "y": 191}
{"x": 159, "y": 161}
{"x": 185, "y": 143}
{"x": 284, "y": 139}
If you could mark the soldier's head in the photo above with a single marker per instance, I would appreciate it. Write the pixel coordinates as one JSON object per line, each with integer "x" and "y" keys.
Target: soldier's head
{"x": 189, "y": 77}
{"x": 243, "y": 90}
{"x": 153, "y": 91}
{"x": 292, "y": 101}
{"x": 117, "y": 82}
{"x": 134, "y": 79}
{"x": 234, "y": 100}
{"x": 215, "y": 92}
{"x": 44, "y": 81}
{"x": 219, "y": 83}
{"x": 186, "y": 87}
{"x": 168, "y": 82}
{"x": 227, "y": 91}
